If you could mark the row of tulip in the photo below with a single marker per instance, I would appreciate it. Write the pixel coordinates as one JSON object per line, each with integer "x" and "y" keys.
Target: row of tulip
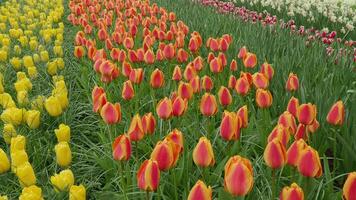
{"x": 136, "y": 35}
{"x": 335, "y": 45}
{"x": 32, "y": 40}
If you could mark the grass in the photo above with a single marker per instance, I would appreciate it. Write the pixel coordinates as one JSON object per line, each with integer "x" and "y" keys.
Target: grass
{"x": 322, "y": 83}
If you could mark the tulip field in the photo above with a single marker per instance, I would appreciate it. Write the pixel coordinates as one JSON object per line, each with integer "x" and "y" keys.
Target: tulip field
{"x": 177, "y": 99}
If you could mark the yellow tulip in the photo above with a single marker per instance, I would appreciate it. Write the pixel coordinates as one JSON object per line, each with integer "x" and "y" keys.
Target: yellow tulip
{"x": 6, "y": 101}
{"x": 58, "y": 51}
{"x": 36, "y": 58}
{"x": 4, "y": 162}
{"x": 32, "y": 72}
{"x": 3, "y": 56}
{"x": 53, "y": 106}
{"x": 17, "y": 50}
{"x": 22, "y": 97}
{"x": 33, "y": 45}
{"x": 62, "y": 133}
{"x": 52, "y": 68}
{"x": 13, "y": 115}
{"x": 32, "y": 118}
{"x": 31, "y": 193}
{"x": 60, "y": 63}
{"x": 28, "y": 61}
{"x": 37, "y": 104}
{"x": 18, "y": 158}
{"x": 18, "y": 143}
{"x": 8, "y": 132}
{"x": 16, "y": 63}
{"x": 63, "y": 154}
{"x": 44, "y": 56}
{"x": 25, "y": 174}
{"x": 3, "y": 197}
{"x": 23, "y": 40}
{"x": 63, "y": 181}
{"x": 77, "y": 193}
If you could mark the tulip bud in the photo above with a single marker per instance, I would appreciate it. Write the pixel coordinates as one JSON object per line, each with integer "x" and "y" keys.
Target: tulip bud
{"x": 177, "y": 137}
{"x": 309, "y": 163}
{"x": 9, "y": 131}
{"x": 301, "y": 132}
{"x": 63, "y": 154}
{"x": 25, "y": 174}
{"x": 189, "y": 72}
{"x": 111, "y": 113}
{"x": 294, "y": 152}
{"x": 193, "y": 44}
{"x": 148, "y": 123}
{"x": 200, "y": 192}
{"x": 63, "y": 181}
{"x": 169, "y": 51}
{"x": 128, "y": 91}
{"x": 121, "y": 148}
{"x": 149, "y": 57}
{"x": 13, "y": 116}
{"x": 293, "y": 105}
{"x": 287, "y": 120}
{"x": 242, "y": 52}
{"x": 79, "y": 52}
{"x": 260, "y": 80}
{"x": 225, "y": 97}
{"x": 148, "y": 175}
{"x": 215, "y": 65}
{"x": 238, "y": 178}
{"x": 179, "y": 106}
{"x": 264, "y": 98}
{"x": 207, "y": 83}
{"x": 157, "y": 79}
{"x": 336, "y": 114}
{"x": 281, "y": 133}
{"x": 166, "y": 154}
{"x": 292, "y": 83}
{"x": 17, "y": 143}
{"x": 306, "y": 113}
{"x": 243, "y": 114}
{"x": 198, "y": 63}
{"x": 208, "y": 105}
{"x": 267, "y": 70}
{"x": 177, "y": 73}
{"x": 4, "y": 162}
{"x": 32, "y": 118}
{"x": 232, "y": 82}
{"x": 242, "y": 86}
{"x": 203, "y": 155}
{"x": 348, "y": 191}
{"x": 77, "y": 192}
{"x": 31, "y": 193}
{"x": 62, "y": 133}
{"x": 275, "y": 154}
{"x": 164, "y": 108}
{"x": 182, "y": 56}
{"x": 185, "y": 90}
{"x": 294, "y": 192}
{"x": 233, "y": 65}
{"x": 250, "y": 60}
{"x": 135, "y": 131}
{"x": 230, "y": 126}
{"x": 53, "y": 106}
{"x": 195, "y": 83}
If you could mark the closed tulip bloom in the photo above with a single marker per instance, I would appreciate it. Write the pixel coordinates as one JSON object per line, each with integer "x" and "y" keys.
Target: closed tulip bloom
{"x": 243, "y": 114}
{"x": 177, "y": 137}
{"x": 306, "y": 113}
{"x": 294, "y": 152}
{"x": 77, "y": 192}
{"x": 267, "y": 70}
{"x": 301, "y": 132}
{"x": 280, "y": 132}
{"x": 128, "y": 91}
{"x": 198, "y": 63}
{"x": 148, "y": 175}
{"x": 349, "y": 189}
{"x": 238, "y": 178}
{"x": 247, "y": 76}
{"x": 336, "y": 114}
{"x": 185, "y": 90}
{"x": 32, "y": 192}
{"x": 189, "y": 72}
{"x": 264, "y": 98}
{"x": 195, "y": 83}
{"x": 216, "y": 65}
{"x": 208, "y": 105}
{"x": 136, "y": 75}
{"x": 148, "y": 123}
{"x": 230, "y": 126}
{"x": 4, "y": 162}
{"x": 225, "y": 97}
{"x": 293, "y": 105}
{"x": 233, "y": 65}
{"x": 63, "y": 181}
{"x": 260, "y": 80}
{"x": 203, "y": 155}
{"x": 53, "y": 106}
{"x": 17, "y": 143}
{"x": 242, "y": 52}
{"x": 309, "y": 163}
{"x": 242, "y": 86}
{"x": 13, "y": 116}
{"x": 18, "y": 158}
{"x": 292, "y": 83}
{"x": 135, "y": 131}
{"x": 62, "y": 133}
{"x": 121, "y": 148}
{"x": 149, "y": 57}
{"x": 63, "y": 154}
{"x": 182, "y": 55}
{"x": 79, "y": 51}
{"x": 166, "y": 154}
{"x": 250, "y": 60}
{"x": 32, "y": 118}
{"x": 157, "y": 79}
{"x": 179, "y": 106}
{"x": 294, "y": 192}
{"x": 25, "y": 174}
{"x": 193, "y": 45}
{"x": 111, "y": 113}
{"x": 200, "y": 192}
{"x": 99, "y": 98}
{"x": 207, "y": 83}
{"x": 287, "y": 120}
{"x": 8, "y": 132}
{"x": 275, "y": 154}
{"x": 164, "y": 108}
{"x": 169, "y": 51}
{"x": 177, "y": 73}
{"x": 232, "y": 82}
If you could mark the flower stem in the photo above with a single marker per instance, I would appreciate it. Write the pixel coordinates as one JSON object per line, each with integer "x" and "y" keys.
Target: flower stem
{"x": 273, "y": 183}
{"x": 147, "y": 195}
